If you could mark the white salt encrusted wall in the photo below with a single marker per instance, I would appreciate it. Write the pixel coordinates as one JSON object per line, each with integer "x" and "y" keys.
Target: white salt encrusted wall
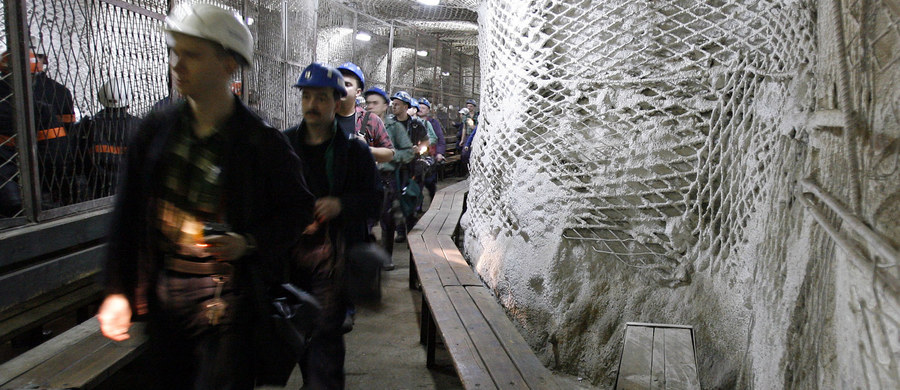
{"x": 639, "y": 161}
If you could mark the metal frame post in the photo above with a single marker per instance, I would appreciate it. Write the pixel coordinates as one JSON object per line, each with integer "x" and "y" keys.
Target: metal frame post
{"x": 390, "y": 60}
{"x": 23, "y": 104}
{"x": 415, "y": 64}
{"x": 244, "y": 88}
{"x": 284, "y": 64}
{"x": 353, "y": 38}
{"x": 434, "y": 64}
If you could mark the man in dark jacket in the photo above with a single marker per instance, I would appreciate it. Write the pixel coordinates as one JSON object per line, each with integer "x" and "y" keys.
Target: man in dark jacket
{"x": 212, "y": 201}
{"x": 341, "y": 174}
{"x": 103, "y": 138}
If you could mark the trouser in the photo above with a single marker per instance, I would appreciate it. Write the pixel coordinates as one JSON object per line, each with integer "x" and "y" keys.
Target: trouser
{"x": 388, "y": 220}
{"x": 185, "y": 351}
{"x": 409, "y": 220}
{"x": 431, "y": 183}
{"x": 322, "y": 364}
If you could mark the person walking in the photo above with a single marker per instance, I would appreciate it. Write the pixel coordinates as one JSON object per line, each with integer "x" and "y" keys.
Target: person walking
{"x": 212, "y": 202}
{"x": 341, "y": 174}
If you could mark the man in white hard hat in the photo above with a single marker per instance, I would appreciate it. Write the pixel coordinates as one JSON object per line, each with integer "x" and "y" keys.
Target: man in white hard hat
{"x": 103, "y": 138}
{"x": 212, "y": 201}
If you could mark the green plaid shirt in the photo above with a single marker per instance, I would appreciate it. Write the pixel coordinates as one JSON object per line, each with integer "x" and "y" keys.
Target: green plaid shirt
{"x": 192, "y": 183}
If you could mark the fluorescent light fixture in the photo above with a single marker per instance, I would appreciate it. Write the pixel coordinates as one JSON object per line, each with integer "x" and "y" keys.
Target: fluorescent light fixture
{"x": 445, "y": 73}
{"x": 363, "y": 36}
{"x": 422, "y": 53}
{"x": 250, "y": 21}
{"x": 430, "y": 2}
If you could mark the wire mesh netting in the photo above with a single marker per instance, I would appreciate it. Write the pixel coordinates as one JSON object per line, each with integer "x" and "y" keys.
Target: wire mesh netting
{"x": 10, "y": 192}
{"x": 94, "y": 66}
{"x": 658, "y": 98}
{"x": 670, "y": 137}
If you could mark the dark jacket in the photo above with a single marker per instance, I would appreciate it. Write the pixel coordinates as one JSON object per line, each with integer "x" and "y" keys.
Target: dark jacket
{"x": 354, "y": 183}
{"x": 264, "y": 194}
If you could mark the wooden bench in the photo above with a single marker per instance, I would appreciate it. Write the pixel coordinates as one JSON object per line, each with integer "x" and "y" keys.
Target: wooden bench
{"x": 487, "y": 350}
{"x": 658, "y": 356}
{"x": 31, "y": 315}
{"x": 80, "y": 358}
{"x": 47, "y": 271}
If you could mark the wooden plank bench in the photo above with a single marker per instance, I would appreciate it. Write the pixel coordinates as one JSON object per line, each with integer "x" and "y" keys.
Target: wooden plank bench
{"x": 658, "y": 357}
{"x": 80, "y": 358}
{"x": 487, "y": 350}
{"x": 31, "y": 315}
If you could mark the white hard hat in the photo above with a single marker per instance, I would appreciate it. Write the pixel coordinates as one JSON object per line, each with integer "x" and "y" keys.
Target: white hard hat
{"x": 464, "y": 111}
{"x": 114, "y": 94}
{"x": 212, "y": 23}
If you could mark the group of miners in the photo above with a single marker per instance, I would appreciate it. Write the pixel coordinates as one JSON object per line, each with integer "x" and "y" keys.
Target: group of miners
{"x": 216, "y": 209}
{"x": 76, "y": 161}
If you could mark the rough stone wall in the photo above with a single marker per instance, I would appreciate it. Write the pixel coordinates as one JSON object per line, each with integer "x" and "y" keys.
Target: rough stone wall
{"x": 639, "y": 161}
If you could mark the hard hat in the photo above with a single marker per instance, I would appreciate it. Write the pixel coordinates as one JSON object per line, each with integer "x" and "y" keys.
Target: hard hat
{"x": 424, "y": 101}
{"x": 35, "y": 64}
{"x": 464, "y": 111}
{"x": 403, "y": 96}
{"x": 321, "y": 76}
{"x": 114, "y": 94}
{"x": 354, "y": 70}
{"x": 414, "y": 103}
{"x": 378, "y": 91}
{"x": 212, "y": 23}
{"x": 472, "y": 102}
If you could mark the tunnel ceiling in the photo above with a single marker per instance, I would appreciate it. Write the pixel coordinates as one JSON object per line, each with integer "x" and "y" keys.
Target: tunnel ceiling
{"x": 453, "y": 21}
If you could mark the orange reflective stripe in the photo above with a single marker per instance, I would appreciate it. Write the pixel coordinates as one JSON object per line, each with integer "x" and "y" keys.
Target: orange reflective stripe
{"x": 67, "y": 118}
{"x": 112, "y": 149}
{"x": 42, "y": 135}
{"x": 6, "y": 140}
{"x": 55, "y": 132}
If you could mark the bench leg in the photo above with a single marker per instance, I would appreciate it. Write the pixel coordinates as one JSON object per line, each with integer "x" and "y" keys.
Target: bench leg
{"x": 426, "y": 318}
{"x": 430, "y": 341}
{"x": 413, "y": 281}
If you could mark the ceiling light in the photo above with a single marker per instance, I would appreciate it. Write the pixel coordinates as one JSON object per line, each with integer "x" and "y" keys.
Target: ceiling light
{"x": 445, "y": 74}
{"x": 430, "y": 2}
{"x": 422, "y": 53}
{"x": 363, "y": 36}
{"x": 250, "y": 21}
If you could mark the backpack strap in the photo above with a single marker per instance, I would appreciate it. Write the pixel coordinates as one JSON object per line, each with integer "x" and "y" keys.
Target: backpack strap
{"x": 369, "y": 138}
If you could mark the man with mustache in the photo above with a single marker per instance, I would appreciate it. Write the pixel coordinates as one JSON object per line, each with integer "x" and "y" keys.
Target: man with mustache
{"x": 340, "y": 172}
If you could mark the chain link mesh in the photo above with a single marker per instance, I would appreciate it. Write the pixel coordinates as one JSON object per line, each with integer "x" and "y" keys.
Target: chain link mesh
{"x": 676, "y": 78}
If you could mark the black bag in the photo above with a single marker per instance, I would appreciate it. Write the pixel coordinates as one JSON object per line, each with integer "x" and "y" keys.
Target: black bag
{"x": 364, "y": 263}
{"x": 294, "y": 313}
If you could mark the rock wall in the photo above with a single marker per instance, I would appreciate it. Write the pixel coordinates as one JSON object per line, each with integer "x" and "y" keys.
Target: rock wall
{"x": 640, "y": 161}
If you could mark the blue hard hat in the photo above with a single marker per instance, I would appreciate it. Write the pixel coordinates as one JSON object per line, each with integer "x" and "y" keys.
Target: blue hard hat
{"x": 414, "y": 103}
{"x": 403, "y": 96}
{"x": 356, "y": 71}
{"x": 378, "y": 91}
{"x": 424, "y": 101}
{"x": 472, "y": 102}
{"x": 322, "y": 76}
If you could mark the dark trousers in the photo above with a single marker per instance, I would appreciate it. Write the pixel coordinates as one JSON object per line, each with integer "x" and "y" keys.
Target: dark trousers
{"x": 388, "y": 221}
{"x": 431, "y": 183}
{"x": 322, "y": 364}
{"x": 186, "y": 352}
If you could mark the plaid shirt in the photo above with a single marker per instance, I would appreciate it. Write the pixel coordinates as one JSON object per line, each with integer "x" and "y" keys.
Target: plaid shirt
{"x": 192, "y": 184}
{"x": 376, "y": 136}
